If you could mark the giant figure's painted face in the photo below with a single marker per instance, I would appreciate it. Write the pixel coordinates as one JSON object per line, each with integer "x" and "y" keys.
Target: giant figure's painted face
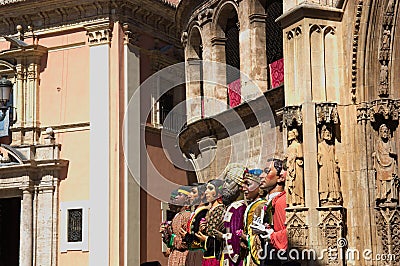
{"x": 211, "y": 193}
{"x": 251, "y": 189}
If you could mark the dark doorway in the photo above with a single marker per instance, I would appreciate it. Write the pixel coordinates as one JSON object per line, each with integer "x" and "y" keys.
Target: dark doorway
{"x": 10, "y": 211}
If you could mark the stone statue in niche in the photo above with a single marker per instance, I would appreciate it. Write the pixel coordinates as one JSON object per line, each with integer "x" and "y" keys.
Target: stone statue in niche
{"x": 329, "y": 180}
{"x": 385, "y": 166}
{"x": 390, "y": 7}
{"x": 294, "y": 179}
{"x": 386, "y": 38}
{"x": 383, "y": 79}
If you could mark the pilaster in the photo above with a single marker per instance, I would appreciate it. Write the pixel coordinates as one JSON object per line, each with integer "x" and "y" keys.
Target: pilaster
{"x": 99, "y": 37}
{"x": 26, "y": 227}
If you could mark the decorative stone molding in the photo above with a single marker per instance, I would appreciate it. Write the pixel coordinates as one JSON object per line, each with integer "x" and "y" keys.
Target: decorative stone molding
{"x": 130, "y": 36}
{"x": 388, "y": 109}
{"x": 100, "y": 36}
{"x": 48, "y": 18}
{"x": 362, "y": 112}
{"x": 184, "y": 38}
{"x": 218, "y": 41}
{"x": 331, "y": 231}
{"x": 326, "y": 113}
{"x": 254, "y": 18}
{"x": 34, "y": 173}
{"x": 357, "y": 26}
{"x": 205, "y": 16}
{"x": 295, "y": 32}
{"x": 388, "y": 226}
{"x": 297, "y": 227}
{"x": 292, "y": 116}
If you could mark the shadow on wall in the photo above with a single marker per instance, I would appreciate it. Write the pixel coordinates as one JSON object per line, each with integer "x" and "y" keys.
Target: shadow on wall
{"x": 151, "y": 263}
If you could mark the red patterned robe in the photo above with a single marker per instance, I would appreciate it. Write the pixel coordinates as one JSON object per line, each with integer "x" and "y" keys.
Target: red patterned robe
{"x": 179, "y": 248}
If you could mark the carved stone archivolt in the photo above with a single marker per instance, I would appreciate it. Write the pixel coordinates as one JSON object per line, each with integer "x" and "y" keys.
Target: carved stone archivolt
{"x": 331, "y": 231}
{"x": 356, "y": 32}
{"x": 297, "y": 228}
{"x": 388, "y": 228}
{"x": 292, "y": 116}
{"x": 385, "y": 50}
{"x": 327, "y": 113}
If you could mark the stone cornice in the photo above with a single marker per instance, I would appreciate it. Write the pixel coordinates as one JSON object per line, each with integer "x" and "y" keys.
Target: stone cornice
{"x": 307, "y": 10}
{"x": 33, "y": 51}
{"x": 153, "y": 16}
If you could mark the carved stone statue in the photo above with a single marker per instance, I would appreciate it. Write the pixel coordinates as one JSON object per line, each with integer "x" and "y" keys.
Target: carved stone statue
{"x": 329, "y": 182}
{"x": 390, "y": 7}
{"x": 383, "y": 79}
{"x": 294, "y": 178}
{"x": 386, "y": 38}
{"x": 385, "y": 166}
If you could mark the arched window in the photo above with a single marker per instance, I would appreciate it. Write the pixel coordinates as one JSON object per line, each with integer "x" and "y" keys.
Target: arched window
{"x": 228, "y": 25}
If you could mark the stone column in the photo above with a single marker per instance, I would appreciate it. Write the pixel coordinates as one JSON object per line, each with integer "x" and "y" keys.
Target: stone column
{"x": 26, "y": 231}
{"x": 44, "y": 220}
{"x": 193, "y": 83}
{"x": 215, "y": 90}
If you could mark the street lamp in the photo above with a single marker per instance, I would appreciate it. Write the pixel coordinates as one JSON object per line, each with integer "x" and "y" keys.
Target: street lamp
{"x": 5, "y": 93}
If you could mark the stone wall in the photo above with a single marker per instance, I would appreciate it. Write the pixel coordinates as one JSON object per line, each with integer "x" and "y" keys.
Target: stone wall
{"x": 251, "y": 147}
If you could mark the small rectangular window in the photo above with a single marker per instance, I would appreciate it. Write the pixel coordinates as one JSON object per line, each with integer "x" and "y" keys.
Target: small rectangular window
{"x": 75, "y": 225}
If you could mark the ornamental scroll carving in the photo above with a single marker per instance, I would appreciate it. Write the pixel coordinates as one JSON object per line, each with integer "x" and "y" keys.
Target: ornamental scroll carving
{"x": 292, "y": 116}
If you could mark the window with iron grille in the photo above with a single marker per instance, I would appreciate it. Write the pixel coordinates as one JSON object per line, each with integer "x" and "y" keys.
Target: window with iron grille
{"x": 273, "y": 31}
{"x": 75, "y": 225}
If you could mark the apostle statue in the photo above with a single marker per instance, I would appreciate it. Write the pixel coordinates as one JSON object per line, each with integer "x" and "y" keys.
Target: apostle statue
{"x": 329, "y": 180}
{"x": 294, "y": 178}
{"x": 385, "y": 166}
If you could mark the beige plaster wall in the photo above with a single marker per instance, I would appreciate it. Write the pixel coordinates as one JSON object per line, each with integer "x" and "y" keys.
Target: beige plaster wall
{"x": 64, "y": 85}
